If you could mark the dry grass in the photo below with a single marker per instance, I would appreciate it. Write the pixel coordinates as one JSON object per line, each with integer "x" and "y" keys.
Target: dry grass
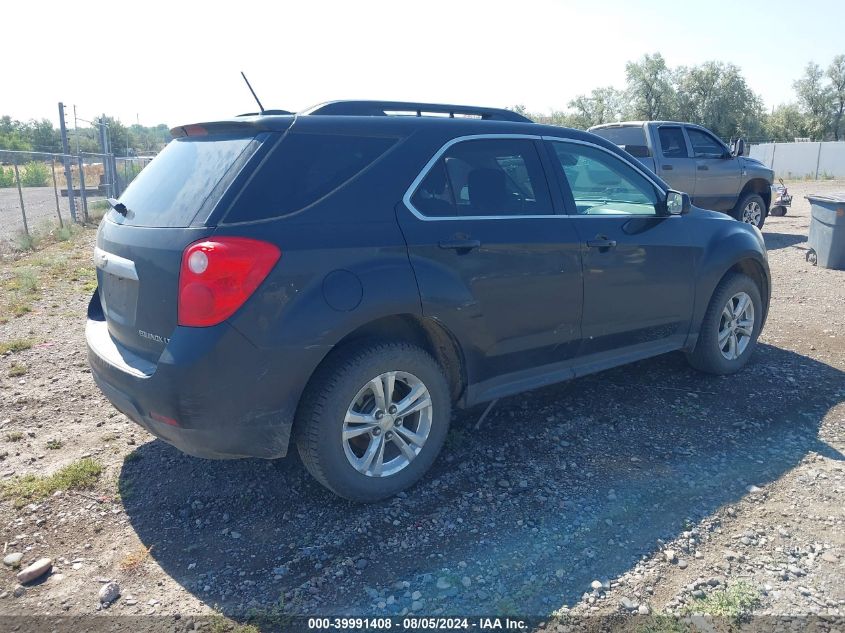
{"x": 29, "y": 277}
{"x": 133, "y": 561}
{"x": 17, "y": 370}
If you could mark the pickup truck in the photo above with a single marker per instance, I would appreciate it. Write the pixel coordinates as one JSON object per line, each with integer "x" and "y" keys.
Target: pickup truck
{"x": 693, "y": 160}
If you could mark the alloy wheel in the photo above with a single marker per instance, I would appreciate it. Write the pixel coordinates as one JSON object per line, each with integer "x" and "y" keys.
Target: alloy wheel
{"x": 387, "y": 424}
{"x": 736, "y": 326}
{"x": 752, "y": 213}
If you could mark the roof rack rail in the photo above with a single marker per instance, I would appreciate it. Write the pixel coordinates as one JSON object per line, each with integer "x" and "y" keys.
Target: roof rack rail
{"x": 386, "y": 108}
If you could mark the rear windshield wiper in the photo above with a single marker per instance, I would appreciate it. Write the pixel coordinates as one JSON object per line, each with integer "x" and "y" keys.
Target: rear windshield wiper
{"x": 117, "y": 206}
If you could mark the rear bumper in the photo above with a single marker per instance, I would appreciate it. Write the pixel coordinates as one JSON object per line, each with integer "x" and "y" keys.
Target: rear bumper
{"x": 211, "y": 394}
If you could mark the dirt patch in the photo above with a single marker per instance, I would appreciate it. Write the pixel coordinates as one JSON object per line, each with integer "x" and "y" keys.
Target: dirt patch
{"x": 664, "y": 485}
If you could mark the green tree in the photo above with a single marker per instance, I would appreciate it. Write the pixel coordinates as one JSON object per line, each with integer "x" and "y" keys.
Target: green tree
{"x": 43, "y": 136}
{"x": 602, "y": 105}
{"x": 785, "y": 124}
{"x": 650, "y": 88}
{"x": 717, "y": 96}
{"x": 815, "y": 99}
{"x": 12, "y": 135}
{"x": 836, "y": 74}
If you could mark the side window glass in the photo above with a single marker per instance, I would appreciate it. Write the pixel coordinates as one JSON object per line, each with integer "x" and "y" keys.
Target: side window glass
{"x": 603, "y": 184}
{"x": 704, "y": 145}
{"x": 302, "y": 169}
{"x": 672, "y": 142}
{"x": 434, "y": 195}
{"x": 485, "y": 177}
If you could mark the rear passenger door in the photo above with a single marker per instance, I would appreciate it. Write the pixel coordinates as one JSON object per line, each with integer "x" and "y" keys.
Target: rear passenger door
{"x": 493, "y": 260}
{"x": 677, "y": 167}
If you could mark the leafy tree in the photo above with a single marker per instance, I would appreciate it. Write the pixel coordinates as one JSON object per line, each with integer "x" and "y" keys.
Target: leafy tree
{"x": 717, "y": 96}
{"x": 602, "y": 105}
{"x": 43, "y": 136}
{"x": 11, "y": 135}
{"x": 836, "y": 74}
{"x": 650, "y": 88}
{"x": 816, "y": 100}
{"x": 785, "y": 124}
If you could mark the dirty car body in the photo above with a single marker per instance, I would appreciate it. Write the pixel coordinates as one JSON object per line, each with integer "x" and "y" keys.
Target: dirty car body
{"x": 322, "y": 233}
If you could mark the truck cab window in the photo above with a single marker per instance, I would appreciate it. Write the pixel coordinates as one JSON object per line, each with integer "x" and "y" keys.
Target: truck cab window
{"x": 672, "y": 142}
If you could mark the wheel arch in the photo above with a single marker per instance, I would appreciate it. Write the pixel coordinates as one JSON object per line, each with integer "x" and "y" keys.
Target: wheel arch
{"x": 761, "y": 187}
{"x": 427, "y": 333}
{"x": 734, "y": 250}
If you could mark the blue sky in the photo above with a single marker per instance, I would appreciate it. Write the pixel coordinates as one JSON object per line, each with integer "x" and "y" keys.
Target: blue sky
{"x": 178, "y": 62}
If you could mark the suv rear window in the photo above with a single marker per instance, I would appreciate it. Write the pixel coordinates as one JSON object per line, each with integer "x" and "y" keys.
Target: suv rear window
{"x": 301, "y": 170}
{"x": 181, "y": 180}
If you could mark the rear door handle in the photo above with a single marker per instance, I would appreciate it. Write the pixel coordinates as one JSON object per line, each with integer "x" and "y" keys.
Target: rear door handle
{"x": 667, "y": 168}
{"x": 460, "y": 244}
{"x": 601, "y": 242}
{"x": 703, "y": 168}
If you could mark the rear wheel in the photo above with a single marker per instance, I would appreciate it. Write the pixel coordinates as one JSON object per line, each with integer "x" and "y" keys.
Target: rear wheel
{"x": 751, "y": 209}
{"x": 373, "y": 420}
{"x": 730, "y": 327}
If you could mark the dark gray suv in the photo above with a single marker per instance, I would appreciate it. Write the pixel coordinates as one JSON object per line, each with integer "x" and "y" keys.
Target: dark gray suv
{"x": 347, "y": 275}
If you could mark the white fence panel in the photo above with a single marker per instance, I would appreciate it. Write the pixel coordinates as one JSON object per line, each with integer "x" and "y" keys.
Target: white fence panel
{"x": 802, "y": 160}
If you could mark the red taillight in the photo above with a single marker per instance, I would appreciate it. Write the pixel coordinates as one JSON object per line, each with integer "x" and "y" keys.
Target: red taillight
{"x": 218, "y": 275}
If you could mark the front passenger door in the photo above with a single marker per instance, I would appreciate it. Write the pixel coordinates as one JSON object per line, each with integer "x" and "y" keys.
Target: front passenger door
{"x": 717, "y": 173}
{"x": 638, "y": 262}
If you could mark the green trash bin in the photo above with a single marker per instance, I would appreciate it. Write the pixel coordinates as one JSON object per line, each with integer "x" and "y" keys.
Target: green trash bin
{"x": 827, "y": 230}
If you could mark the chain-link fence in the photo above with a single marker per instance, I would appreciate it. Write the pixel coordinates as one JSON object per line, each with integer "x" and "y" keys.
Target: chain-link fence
{"x": 42, "y": 191}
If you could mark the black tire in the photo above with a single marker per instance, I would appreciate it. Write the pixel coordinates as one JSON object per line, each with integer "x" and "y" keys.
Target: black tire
{"x": 320, "y": 418}
{"x": 707, "y": 355}
{"x": 778, "y": 211}
{"x": 744, "y": 201}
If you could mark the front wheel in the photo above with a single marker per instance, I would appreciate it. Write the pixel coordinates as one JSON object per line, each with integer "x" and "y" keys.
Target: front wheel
{"x": 730, "y": 327}
{"x": 751, "y": 209}
{"x": 373, "y": 419}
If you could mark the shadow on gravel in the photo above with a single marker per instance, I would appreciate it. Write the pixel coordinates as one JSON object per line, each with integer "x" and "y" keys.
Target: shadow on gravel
{"x": 775, "y": 241}
{"x": 559, "y": 487}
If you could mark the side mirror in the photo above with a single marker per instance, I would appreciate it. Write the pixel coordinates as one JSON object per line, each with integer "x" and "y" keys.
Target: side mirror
{"x": 739, "y": 147}
{"x": 677, "y": 203}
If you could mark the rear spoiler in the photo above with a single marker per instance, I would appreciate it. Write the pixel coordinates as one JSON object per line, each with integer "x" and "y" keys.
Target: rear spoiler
{"x": 245, "y": 125}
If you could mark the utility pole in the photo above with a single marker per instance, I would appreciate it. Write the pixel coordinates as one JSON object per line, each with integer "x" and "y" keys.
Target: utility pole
{"x": 66, "y": 160}
{"x": 104, "y": 148}
{"x": 76, "y": 129}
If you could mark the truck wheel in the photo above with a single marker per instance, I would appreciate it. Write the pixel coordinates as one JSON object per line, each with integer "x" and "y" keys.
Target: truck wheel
{"x": 751, "y": 209}
{"x": 373, "y": 419}
{"x": 730, "y": 327}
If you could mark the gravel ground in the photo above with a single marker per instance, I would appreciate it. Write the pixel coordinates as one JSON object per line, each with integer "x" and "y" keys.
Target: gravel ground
{"x": 645, "y": 489}
{"x": 40, "y": 205}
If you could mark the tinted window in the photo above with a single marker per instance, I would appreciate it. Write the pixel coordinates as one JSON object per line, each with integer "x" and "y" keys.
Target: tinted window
{"x": 495, "y": 177}
{"x": 672, "y": 142}
{"x": 631, "y": 138}
{"x": 176, "y": 185}
{"x": 704, "y": 145}
{"x": 603, "y": 184}
{"x": 302, "y": 169}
